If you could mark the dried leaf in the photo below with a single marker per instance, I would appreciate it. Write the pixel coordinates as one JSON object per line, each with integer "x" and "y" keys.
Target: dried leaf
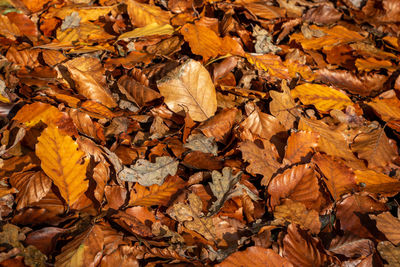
{"x": 189, "y": 87}
{"x": 299, "y": 183}
{"x": 262, "y": 161}
{"x": 300, "y": 144}
{"x": 32, "y": 114}
{"x": 88, "y": 75}
{"x": 389, "y": 253}
{"x": 199, "y": 142}
{"x": 63, "y": 162}
{"x": 142, "y": 14}
{"x": 297, "y": 213}
{"x": 302, "y": 250}
{"x": 389, "y": 226}
{"x": 339, "y": 178}
{"x": 255, "y": 256}
{"x": 147, "y": 173}
{"x": 324, "y": 98}
{"x": 191, "y": 216}
{"x": 221, "y": 185}
{"x": 375, "y": 182}
{"x": 148, "y": 30}
{"x": 351, "y": 246}
{"x": 155, "y": 194}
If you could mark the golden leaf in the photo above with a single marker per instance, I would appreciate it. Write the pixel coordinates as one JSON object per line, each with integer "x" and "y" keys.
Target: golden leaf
{"x": 373, "y": 64}
{"x": 323, "y": 97}
{"x": 189, "y": 87}
{"x": 387, "y": 108}
{"x": 8, "y": 29}
{"x": 270, "y": 63}
{"x": 143, "y": 14}
{"x": 155, "y": 194}
{"x": 148, "y": 30}
{"x": 31, "y": 114}
{"x": 63, "y": 162}
{"x": 375, "y": 182}
{"x": 296, "y": 212}
{"x": 300, "y": 144}
{"x": 86, "y": 13}
{"x": 388, "y": 225}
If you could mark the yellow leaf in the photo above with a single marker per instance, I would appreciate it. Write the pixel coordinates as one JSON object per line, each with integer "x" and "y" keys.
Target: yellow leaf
{"x": 31, "y": 114}
{"x": 148, "y": 30}
{"x": 85, "y": 13}
{"x": 387, "y": 108}
{"x": 63, "y": 162}
{"x": 333, "y": 36}
{"x": 202, "y": 40}
{"x": 372, "y": 63}
{"x": 376, "y": 182}
{"x": 323, "y": 97}
{"x": 143, "y": 14}
{"x": 270, "y": 63}
{"x": 8, "y": 29}
{"x": 189, "y": 87}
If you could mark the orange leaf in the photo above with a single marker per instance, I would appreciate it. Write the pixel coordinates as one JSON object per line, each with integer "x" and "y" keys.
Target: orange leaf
{"x": 296, "y": 212}
{"x": 155, "y": 194}
{"x": 31, "y": 114}
{"x": 371, "y": 63}
{"x": 270, "y": 63}
{"x": 88, "y": 75}
{"x": 143, "y": 14}
{"x": 136, "y": 91}
{"x": 298, "y": 183}
{"x": 302, "y": 250}
{"x": 339, "y": 178}
{"x": 388, "y": 225}
{"x": 255, "y": 257}
{"x": 300, "y": 144}
{"x": 63, "y": 163}
{"x": 97, "y": 110}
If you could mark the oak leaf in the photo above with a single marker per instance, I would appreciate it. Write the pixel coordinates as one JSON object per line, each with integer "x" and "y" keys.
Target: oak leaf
{"x": 147, "y": 173}
{"x": 63, "y": 162}
{"x": 189, "y": 87}
{"x": 199, "y": 142}
{"x": 221, "y": 185}
{"x": 191, "y": 216}
{"x": 262, "y": 161}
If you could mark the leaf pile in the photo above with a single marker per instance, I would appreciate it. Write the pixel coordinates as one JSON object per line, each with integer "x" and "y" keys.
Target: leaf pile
{"x": 205, "y": 133}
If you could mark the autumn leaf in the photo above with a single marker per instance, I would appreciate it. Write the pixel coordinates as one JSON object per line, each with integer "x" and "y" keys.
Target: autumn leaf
{"x": 324, "y": 98}
{"x": 199, "y": 142}
{"x": 33, "y": 113}
{"x": 143, "y": 14}
{"x": 63, "y": 162}
{"x": 339, "y": 178}
{"x": 376, "y": 182}
{"x": 155, "y": 194}
{"x": 389, "y": 252}
{"x": 147, "y": 173}
{"x": 300, "y": 144}
{"x": 297, "y": 213}
{"x": 221, "y": 186}
{"x": 389, "y": 225}
{"x": 189, "y": 87}
{"x": 148, "y": 30}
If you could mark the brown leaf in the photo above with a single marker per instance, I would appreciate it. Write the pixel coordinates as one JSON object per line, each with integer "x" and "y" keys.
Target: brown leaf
{"x": 303, "y": 250}
{"x": 375, "y": 182}
{"x": 88, "y": 76}
{"x": 300, "y": 144}
{"x": 299, "y": 183}
{"x": 131, "y": 224}
{"x": 32, "y": 187}
{"x": 351, "y": 246}
{"x": 297, "y": 213}
{"x": 262, "y": 161}
{"x": 260, "y": 123}
{"x": 85, "y": 125}
{"x": 155, "y": 194}
{"x": 389, "y": 226}
{"x": 340, "y": 179}
{"x": 255, "y": 256}
{"x": 352, "y": 213}
{"x": 189, "y": 87}
{"x": 260, "y": 9}
{"x": 323, "y": 14}
{"x": 200, "y": 160}
{"x": 136, "y": 91}
{"x": 389, "y": 253}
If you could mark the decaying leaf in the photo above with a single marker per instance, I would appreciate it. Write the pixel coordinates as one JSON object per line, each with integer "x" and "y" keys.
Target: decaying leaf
{"x": 389, "y": 225}
{"x": 190, "y": 88}
{"x": 191, "y": 216}
{"x": 147, "y": 173}
{"x": 199, "y": 142}
{"x": 221, "y": 186}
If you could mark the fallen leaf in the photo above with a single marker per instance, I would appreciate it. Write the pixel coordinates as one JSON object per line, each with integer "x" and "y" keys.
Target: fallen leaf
{"x": 388, "y": 225}
{"x": 221, "y": 185}
{"x": 147, "y": 173}
{"x": 199, "y": 142}
{"x": 143, "y": 14}
{"x": 148, "y": 30}
{"x": 63, "y": 162}
{"x": 299, "y": 145}
{"x": 390, "y": 253}
{"x": 189, "y": 87}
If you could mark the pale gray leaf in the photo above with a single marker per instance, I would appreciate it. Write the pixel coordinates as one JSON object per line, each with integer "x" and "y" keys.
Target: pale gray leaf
{"x": 71, "y": 21}
{"x": 221, "y": 186}
{"x": 202, "y": 143}
{"x": 147, "y": 173}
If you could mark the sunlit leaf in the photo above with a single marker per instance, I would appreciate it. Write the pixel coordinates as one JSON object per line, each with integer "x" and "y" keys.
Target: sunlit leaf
{"x": 63, "y": 162}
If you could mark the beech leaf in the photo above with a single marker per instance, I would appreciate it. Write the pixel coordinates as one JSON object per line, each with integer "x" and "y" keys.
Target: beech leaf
{"x": 189, "y": 87}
